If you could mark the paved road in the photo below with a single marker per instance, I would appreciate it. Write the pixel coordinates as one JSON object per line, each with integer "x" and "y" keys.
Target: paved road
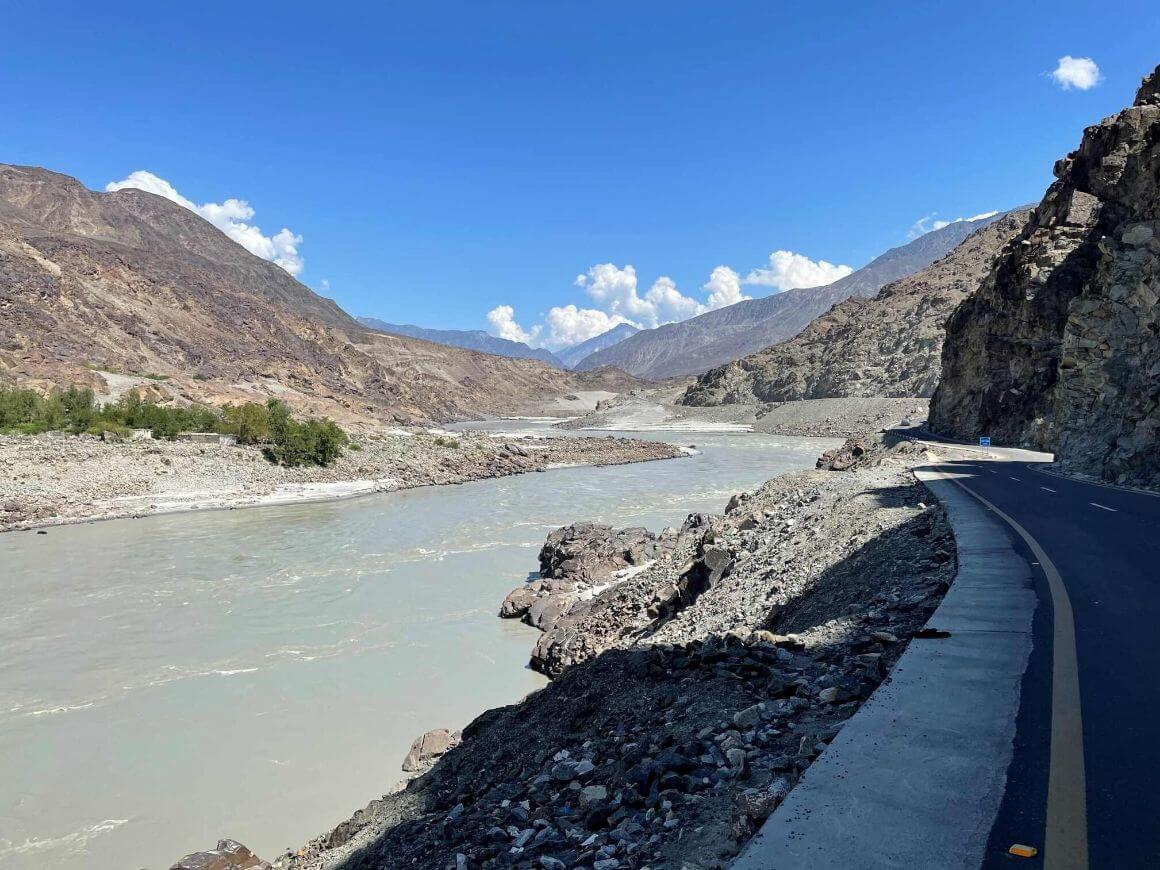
{"x": 1105, "y": 545}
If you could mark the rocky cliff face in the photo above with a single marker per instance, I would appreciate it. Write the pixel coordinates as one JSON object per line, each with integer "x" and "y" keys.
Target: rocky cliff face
{"x": 145, "y": 291}
{"x": 716, "y": 337}
{"x": 1060, "y": 348}
{"x": 886, "y": 346}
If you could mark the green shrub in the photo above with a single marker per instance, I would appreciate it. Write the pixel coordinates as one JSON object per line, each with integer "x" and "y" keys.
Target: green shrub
{"x": 313, "y": 442}
{"x": 446, "y": 442}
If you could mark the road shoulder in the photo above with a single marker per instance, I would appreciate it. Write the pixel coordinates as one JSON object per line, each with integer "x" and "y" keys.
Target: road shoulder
{"x": 916, "y": 777}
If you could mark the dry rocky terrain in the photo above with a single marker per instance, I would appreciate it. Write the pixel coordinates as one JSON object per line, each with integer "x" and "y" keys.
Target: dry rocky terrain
{"x": 648, "y": 408}
{"x": 53, "y": 479}
{"x": 1060, "y": 348}
{"x": 696, "y": 672}
{"x": 890, "y": 345}
{"x": 131, "y": 283}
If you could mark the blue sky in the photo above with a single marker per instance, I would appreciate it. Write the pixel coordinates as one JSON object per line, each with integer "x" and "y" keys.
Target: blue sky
{"x": 438, "y": 160}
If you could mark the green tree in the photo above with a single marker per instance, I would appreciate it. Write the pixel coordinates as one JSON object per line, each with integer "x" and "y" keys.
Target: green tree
{"x": 80, "y": 408}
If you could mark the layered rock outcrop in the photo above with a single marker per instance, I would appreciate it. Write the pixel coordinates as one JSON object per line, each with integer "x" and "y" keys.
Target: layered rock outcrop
{"x": 886, "y": 346}
{"x": 1060, "y": 348}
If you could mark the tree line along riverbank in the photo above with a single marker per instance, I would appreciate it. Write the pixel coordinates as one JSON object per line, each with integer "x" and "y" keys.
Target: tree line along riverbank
{"x": 284, "y": 439}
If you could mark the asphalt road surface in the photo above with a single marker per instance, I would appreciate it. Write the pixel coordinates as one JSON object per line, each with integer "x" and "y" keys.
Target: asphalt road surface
{"x": 1103, "y": 545}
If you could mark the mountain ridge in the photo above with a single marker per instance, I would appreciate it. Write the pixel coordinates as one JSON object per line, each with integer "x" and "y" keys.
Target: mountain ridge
{"x": 693, "y": 346}
{"x": 102, "y": 287}
{"x": 577, "y": 353}
{"x": 888, "y": 346}
{"x": 471, "y": 339}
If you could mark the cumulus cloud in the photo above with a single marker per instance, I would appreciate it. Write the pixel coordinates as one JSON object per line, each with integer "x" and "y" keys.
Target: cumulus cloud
{"x": 232, "y": 217}
{"x": 615, "y": 292}
{"x": 929, "y": 223}
{"x": 724, "y": 288}
{"x": 788, "y": 271}
{"x": 569, "y": 325}
{"x": 1080, "y": 73}
{"x": 503, "y": 325}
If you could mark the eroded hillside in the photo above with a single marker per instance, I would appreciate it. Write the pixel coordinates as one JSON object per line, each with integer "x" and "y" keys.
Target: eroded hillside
{"x": 132, "y": 284}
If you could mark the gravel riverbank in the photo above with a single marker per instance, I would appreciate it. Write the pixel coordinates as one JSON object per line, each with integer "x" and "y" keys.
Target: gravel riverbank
{"x": 55, "y": 479}
{"x": 697, "y": 673}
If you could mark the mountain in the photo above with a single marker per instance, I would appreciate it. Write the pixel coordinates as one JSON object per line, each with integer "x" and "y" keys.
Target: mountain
{"x": 717, "y": 337}
{"x": 573, "y": 355}
{"x": 890, "y": 345}
{"x": 473, "y": 339}
{"x": 145, "y": 291}
{"x": 1060, "y": 348}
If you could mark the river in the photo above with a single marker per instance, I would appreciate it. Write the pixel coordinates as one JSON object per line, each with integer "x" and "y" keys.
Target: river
{"x": 259, "y": 674}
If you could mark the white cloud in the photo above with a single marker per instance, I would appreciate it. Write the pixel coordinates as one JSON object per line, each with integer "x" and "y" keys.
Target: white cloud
{"x": 503, "y": 325}
{"x": 929, "y": 223}
{"x": 1080, "y": 73}
{"x": 231, "y": 217}
{"x": 788, "y": 271}
{"x": 615, "y": 290}
{"x": 724, "y": 288}
{"x": 668, "y": 304}
{"x": 569, "y": 325}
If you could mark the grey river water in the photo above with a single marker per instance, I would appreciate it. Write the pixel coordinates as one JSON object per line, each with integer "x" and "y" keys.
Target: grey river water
{"x": 260, "y": 673}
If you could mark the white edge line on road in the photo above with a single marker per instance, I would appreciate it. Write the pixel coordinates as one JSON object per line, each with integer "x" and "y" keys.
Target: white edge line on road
{"x": 1048, "y": 488}
{"x": 1070, "y": 477}
{"x": 1102, "y": 507}
{"x": 1014, "y": 478}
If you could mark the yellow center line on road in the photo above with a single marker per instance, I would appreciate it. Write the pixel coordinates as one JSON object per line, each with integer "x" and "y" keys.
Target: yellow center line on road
{"x": 1065, "y": 842}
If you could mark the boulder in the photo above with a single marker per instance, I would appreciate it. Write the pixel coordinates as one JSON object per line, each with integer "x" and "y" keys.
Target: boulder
{"x": 519, "y": 601}
{"x": 428, "y": 748}
{"x": 590, "y": 553}
{"x": 227, "y": 855}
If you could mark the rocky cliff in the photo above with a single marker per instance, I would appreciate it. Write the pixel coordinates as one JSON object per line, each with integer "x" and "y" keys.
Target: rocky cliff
{"x": 121, "y": 288}
{"x": 886, "y": 346}
{"x": 1060, "y": 348}
{"x": 717, "y": 337}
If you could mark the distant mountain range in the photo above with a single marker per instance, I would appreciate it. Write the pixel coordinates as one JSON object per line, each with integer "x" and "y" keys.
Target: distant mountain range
{"x": 477, "y": 339}
{"x": 472, "y": 339}
{"x": 571, "y": 356}
{"x": 696, "y": 345}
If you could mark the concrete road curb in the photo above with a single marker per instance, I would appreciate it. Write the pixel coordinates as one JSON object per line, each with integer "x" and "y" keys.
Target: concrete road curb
{"x": 916, "y": 776}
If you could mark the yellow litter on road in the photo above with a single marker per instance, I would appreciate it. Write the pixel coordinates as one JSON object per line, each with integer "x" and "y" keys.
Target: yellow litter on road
{"x": 1023, "y": 851}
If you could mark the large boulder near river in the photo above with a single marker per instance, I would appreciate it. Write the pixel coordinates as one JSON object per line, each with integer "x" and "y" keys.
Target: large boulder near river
{"x": 227, "y": 855}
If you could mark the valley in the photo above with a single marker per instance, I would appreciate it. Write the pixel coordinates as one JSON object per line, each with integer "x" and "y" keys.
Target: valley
{"x": 704, "y": 555}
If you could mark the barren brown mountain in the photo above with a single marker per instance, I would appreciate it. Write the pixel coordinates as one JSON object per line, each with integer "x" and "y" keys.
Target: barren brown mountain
{"x": 113, "y": 289}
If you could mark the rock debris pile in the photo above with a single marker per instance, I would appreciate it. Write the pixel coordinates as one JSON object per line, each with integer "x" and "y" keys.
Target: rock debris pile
{"x": 697, "y": 673}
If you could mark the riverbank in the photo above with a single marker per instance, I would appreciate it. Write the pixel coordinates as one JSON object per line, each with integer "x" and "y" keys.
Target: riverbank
{"x": 697, "y": 674}
{"x": 57, "y": 479}
{"x": 656, "y": 409}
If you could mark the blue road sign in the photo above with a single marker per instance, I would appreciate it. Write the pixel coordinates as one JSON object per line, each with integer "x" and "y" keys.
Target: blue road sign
{"x": 984, "y": 440}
